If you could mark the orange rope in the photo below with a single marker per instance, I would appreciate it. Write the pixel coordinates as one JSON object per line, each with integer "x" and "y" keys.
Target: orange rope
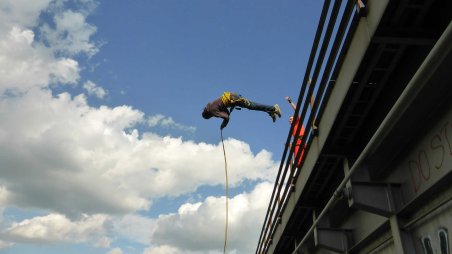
{"x": 227, "y": 195}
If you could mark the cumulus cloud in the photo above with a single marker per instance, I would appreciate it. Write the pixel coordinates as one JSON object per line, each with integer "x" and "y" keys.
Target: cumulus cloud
{"x": 199, "y": 227}
{"x": 135, "y": 228}
{"x": 71, "y": 34}
{"x": 56, "y": 228}
{"x": 115, "y": 251}
{"x": 75, "y": 157}
{"x": 4, "y": 196}
{"x": 89, "y": 166}
{"x": 94, "y": 89}
{"x": 168, "y": 122}
{"x": 4, "y": 244}
{"x": 27, "y": 61}
{"x": 23, "y": 12}
{"x": 24, "y": 65}
{"x": 165, "y": 249}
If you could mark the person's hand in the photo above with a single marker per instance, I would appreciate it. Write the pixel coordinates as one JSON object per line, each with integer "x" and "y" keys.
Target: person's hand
{"x": 288, "y": 99}
{"x": 223, "y": 124}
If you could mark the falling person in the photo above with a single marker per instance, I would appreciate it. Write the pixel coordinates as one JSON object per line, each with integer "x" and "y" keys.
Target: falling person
{"x": 223, "y": 106}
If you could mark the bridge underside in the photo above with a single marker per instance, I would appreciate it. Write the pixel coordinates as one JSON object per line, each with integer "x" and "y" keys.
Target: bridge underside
{"x": 407, "y": 177}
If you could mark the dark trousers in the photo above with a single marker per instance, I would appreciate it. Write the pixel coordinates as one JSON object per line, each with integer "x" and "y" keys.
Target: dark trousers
{"x": 239, "y": 101}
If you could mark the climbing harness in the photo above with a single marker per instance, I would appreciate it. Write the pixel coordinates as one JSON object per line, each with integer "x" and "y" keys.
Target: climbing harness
{"x": 231, "y": 99}
{"x": 227, "y": 195}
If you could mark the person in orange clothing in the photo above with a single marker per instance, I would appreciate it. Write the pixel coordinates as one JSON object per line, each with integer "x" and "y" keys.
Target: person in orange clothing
{"x": 297, "y": 137}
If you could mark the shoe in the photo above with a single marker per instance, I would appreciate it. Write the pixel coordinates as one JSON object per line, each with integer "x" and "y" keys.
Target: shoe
{"x": 277, "y": 110}
{"x": 273, "y": 116}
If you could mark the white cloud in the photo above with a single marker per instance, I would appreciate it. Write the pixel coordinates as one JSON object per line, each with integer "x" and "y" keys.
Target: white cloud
{"x": 163, "y": 249}
{"x": 199, "y": 228}
{"x": 62, "y": 168}
{"x": 79, "y": 159}
{"x": 87, "y": 165}
{"x": 134, "y": 228}
{"x": 4, "y": 197}
{"x": 26, "y": 62}
{"x": 24, "y": 65}
{"x": 23, "y": 12}
{"x": 94, "y": 89}
{"x": 55, "y": 228}
{"x": 115, "y": 251}
{"x": 4, "y": 244}
{"x": 168, "y": 122}
{"x": 71, "y": 34}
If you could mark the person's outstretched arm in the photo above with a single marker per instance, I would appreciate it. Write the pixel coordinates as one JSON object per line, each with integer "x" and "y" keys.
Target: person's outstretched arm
{"x": 224, "y": 115}
{"x": 224, "y": 123}
{"x": 291, "y": 102}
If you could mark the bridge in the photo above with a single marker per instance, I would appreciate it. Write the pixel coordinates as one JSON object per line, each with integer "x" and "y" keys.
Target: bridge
{"x": 376, "y": 105}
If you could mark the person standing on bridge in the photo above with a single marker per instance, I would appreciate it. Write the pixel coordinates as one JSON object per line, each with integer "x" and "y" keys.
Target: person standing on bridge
{"x": 297, "y": 138}
{"x": 223, "y": 106}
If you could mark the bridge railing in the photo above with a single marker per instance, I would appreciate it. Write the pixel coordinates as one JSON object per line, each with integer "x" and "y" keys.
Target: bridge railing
{"x": 324, "y": 62}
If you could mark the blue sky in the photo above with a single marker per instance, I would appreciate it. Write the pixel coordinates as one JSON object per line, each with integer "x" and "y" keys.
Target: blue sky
{"x": 103, "y": 147}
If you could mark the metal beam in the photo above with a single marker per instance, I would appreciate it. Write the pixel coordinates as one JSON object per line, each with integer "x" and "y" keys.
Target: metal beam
{"x": 384, "y": 199}
{"x": 337, "y": 240}
{"x": 403, "y": 241}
